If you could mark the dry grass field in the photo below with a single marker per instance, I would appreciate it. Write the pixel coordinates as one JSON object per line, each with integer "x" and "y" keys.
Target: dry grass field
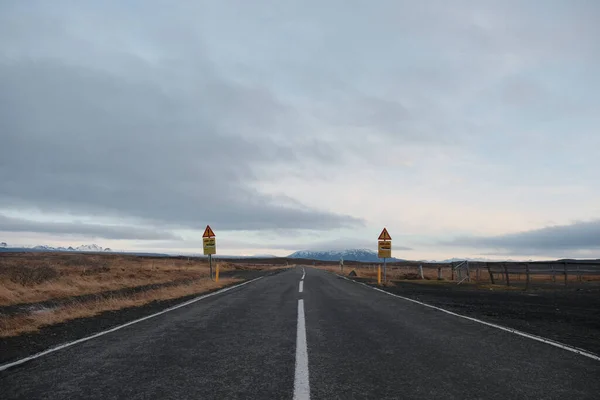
{"x": 31, "y": 322}
{"x": 393, "y": 273}
{"x": 59, "y": 278}
{"x": 35, "y": 277}
{"x": 479, "y": 274}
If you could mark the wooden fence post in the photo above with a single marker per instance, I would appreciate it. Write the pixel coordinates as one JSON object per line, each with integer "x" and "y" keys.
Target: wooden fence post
{"x": 477, "y": 274}
{"x": 468, "y": 272}
{"x": 527, "y": 282}
{"x": 566, "y": 274}
{"x": 506, "y": 273}
{"x": 439, "y": 273}
{"x": 490, "y": 272}
{"x": 452, "y": 269}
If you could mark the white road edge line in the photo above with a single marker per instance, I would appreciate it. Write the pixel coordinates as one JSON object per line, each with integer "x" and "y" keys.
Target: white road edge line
{"x": 301, "y": 382}
{"x": 116, "y": 328}
{"x": 301, "y": 287}
{"x": 503, "y": 328}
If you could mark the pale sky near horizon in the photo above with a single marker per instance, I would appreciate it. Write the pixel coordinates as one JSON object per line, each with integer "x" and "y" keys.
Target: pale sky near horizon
{"x": 467, "y": 128}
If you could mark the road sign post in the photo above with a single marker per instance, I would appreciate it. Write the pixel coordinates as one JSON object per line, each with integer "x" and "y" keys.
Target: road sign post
{"x": 384, "y": 270}
{"x": 384, "y": 250}
{"x": 209, "y": 244}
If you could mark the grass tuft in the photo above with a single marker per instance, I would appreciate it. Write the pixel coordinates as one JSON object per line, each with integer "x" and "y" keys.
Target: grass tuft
{"x": 32, "y": 322}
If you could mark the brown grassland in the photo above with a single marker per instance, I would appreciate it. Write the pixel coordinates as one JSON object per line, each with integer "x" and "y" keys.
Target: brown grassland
{"x": 31, "y": 322}
{"x": 479, "y": 275}
{"x": 34, "y": 277}
{"x": 41, "y": 277}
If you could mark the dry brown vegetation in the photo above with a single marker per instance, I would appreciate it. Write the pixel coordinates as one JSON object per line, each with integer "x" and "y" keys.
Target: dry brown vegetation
{"x": 59, "y": 277}
{"x": 35, "y": 277}
{"x": 393, "y": 273}
{"x": 478, "y": 275}
{"x": 15, "y": 325}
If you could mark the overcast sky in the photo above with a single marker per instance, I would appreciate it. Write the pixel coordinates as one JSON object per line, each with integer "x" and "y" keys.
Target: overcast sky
{"x": 468, "y": 128}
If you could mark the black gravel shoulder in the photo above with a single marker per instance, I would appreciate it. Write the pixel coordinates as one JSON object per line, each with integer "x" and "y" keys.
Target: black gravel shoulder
{"x": 14, "y": 348}
{"x": 568, "y": 316}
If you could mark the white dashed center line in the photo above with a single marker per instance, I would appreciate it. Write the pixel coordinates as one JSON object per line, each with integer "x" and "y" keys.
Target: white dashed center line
{"x": 301, "y": 384}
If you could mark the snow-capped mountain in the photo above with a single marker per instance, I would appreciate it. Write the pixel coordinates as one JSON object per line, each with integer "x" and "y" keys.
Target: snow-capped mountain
{"x": 3, "y": 245}
{"x": 449, "y": 260}
{"x": 44, "y": 247}
{"x": 89, "y": 247}
{"x": 363, "y": 255}
{"x": 474, "y": 259}
{"x": 94, "y": 248}
{"x": 477, "y": 259}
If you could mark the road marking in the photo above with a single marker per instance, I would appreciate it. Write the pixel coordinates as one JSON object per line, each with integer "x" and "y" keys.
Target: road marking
{"x": 301, "y": 383}
{"x": 502, "y": 328}
{"x": 116, "y": 328}
{"x": 301, "y": 287}
{"x": 303, "y": 273}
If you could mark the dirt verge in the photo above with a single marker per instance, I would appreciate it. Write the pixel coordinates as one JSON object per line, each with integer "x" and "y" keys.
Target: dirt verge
{"x": 16, "y": 347}
{"x": 568, "y": 316}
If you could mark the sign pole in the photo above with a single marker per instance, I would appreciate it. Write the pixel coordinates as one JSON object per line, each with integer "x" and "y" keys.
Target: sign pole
{"x": 210, "y": 266}
{"x": 384, "y": 271}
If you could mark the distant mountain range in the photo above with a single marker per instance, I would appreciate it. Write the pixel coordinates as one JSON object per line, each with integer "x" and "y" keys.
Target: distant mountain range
{"x": 362, "y": 255}
{"x": 85, "y": 247}
{"x": 365, "y": 255}
{"x": 476, "y": 259}
{"x": 93, "y": 248}
{"x": 253, "y": 256}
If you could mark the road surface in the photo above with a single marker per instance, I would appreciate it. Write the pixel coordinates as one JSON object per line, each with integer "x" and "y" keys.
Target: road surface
{"x": 317, "y": 337}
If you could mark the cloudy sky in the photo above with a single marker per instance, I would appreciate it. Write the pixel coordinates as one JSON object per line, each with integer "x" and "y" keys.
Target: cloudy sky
{"x": 468, "y": 128}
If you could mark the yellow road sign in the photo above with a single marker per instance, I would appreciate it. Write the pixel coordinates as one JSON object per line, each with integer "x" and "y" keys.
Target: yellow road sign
{"x": 384, "y": 249}
{"x": 210, "y": 245}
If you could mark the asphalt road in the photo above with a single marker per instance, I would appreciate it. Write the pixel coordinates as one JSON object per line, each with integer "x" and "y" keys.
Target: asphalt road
{"x": 249, "y": 343}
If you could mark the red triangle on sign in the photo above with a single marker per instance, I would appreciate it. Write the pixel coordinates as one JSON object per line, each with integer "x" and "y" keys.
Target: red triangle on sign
{"x": 208, "y": 232}
{"x": 384, "y": 235}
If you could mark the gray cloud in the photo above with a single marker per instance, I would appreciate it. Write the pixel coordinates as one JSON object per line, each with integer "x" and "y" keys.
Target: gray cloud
{"x": 8, "y": 224}
{"x": 94, "y": 129}
{"x": 85, "y": 141}
{"x": 573, "y": 237}
{"x": 175, "y": 114}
